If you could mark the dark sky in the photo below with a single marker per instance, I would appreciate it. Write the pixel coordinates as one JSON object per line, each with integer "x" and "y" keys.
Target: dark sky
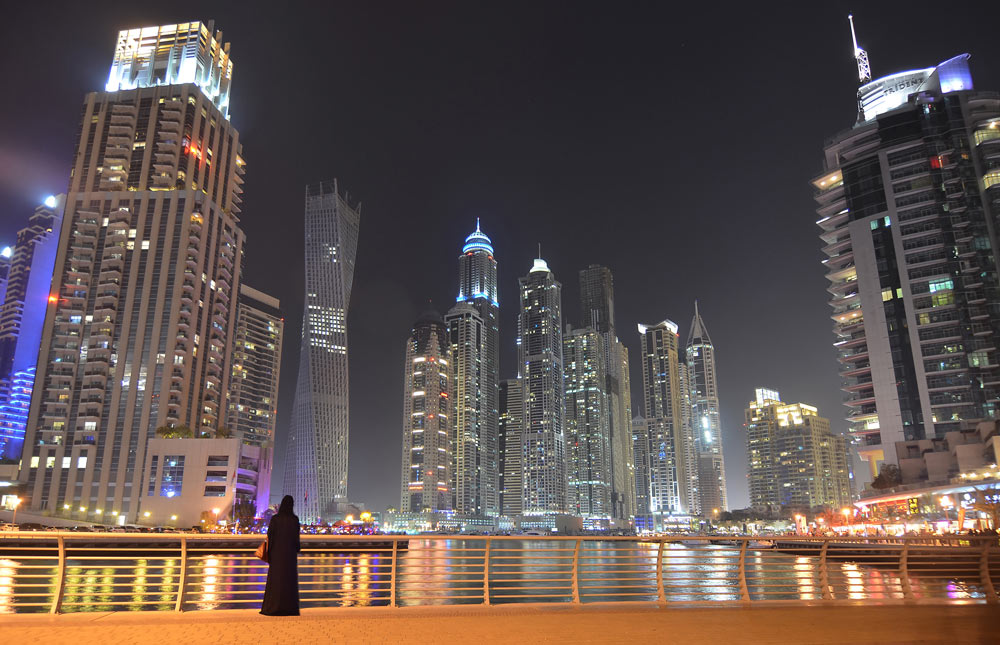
{"x": 673, "y": 145}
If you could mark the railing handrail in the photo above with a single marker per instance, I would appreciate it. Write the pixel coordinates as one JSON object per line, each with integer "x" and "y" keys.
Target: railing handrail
{"x": 412, "y": 569}
{"x": 384, "y": 537}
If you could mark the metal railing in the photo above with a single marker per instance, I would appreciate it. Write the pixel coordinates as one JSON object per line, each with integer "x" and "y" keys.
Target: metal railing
{"x": 60, "y": 571}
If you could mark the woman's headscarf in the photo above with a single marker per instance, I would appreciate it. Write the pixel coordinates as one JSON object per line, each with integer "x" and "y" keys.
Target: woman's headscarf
{"x": 286, "y": 505}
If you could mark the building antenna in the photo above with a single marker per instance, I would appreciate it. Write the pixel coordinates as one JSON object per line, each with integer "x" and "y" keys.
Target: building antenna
{"x": 860, "y": 55}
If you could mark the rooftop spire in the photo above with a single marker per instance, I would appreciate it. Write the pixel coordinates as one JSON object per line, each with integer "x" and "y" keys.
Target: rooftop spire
{"x": 698, "y": 331}
{"x": 478, "y": 241}
{"x": 860, "y": 55}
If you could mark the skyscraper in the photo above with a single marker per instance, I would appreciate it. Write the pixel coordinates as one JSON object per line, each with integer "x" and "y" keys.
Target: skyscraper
{"x": 253, "y": 397}
{"x": 141, "y": 318}
{"x": 588, "y": 438}
{"x": 23, "y": 303}
{"x": 475, "y": 343}
{"x": 316, "y": 457}
{"x": 690, "y": 474}
{"x": 705, "y": 421}
{"x": 793, "y": 459}
{"x": 466, "y": 331}
{"x": 539, "y": 349}
{"x": 640, "y": 442}
{"x": 907, "y": 205}
{"x": 427, "y": 417}
{"x": 665, "y": 438}
{"x": 597, "y": 304}
{"x": 511, "y": 429}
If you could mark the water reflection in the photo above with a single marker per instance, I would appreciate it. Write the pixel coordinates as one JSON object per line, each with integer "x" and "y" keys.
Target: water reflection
{"x": 451, "y": 572}
{"x": 7, "y": 568}
{"x": 804, "y": 569}
{"x": 209, "y": 598}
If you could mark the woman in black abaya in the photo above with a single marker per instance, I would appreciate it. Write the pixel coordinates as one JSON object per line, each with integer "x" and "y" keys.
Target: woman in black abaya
{"x": 281, "y": 593}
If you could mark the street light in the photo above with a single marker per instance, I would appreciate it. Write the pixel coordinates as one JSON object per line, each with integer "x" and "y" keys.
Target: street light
{"x": 17, "y": 502}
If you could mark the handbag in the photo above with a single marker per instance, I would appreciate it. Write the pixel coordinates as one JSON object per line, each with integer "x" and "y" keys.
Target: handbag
{"x": 261, "y": 552}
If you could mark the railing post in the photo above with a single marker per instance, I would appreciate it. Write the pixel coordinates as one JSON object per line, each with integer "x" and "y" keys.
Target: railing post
{"x": 576, "y": 572}
{"x": 486, "y": 571}
{"x": 904, "y": 571}
{"x": 661, "y": 594}
{"x": 824, "y": 571}
{"x": 182, "y": 581}
{"x": 984, "y": 571}
{"x": 60, "y": 578}
{"x": 744, "y": 588}
{"x": 392, "y": 573}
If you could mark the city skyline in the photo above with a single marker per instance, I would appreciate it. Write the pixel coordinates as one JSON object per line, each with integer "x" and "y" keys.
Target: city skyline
{"x": 466, "y": 193}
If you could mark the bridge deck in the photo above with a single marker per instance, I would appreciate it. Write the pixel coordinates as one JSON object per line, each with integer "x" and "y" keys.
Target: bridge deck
{"x": 524, "y": 624}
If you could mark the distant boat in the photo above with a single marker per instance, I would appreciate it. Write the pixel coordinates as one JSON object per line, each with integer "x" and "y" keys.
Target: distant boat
{"x": 760, "y": 544}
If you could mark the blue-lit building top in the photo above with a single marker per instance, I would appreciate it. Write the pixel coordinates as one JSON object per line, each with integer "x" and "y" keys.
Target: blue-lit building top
{"x": 893, "y": 91}
{"x": 478, "y": 241}
{"x": 477, "y": 270}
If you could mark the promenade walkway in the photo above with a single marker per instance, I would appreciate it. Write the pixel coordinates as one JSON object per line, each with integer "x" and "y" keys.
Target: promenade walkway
{"x": 521, "y": 624}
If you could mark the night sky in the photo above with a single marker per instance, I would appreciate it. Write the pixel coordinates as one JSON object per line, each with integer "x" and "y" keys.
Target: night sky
{"x": 675, "y": 147}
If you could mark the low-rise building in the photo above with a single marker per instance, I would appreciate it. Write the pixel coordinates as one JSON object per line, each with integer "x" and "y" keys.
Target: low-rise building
{"x": 189, "y": 482}
{"x": 941, "y": 459}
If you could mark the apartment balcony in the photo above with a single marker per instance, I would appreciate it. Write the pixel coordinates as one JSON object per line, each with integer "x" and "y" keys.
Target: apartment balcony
{"x": 959, "y": 221}
{"x": 122, "y": 141}
{"x": 171, "y": 126}
{"x": 921, "y": 233}
{"x": 97, "y": 379}
{"x": 849, "y": 326}
{"x": 164, "y": 181}
{"x": 969, "y": 266}
{"x": 853, "y": 357}
{"x": 106, "y": 311}
{"x": 856, "y": 369}
{"x": 99, "y": 354}
{"x": 171, "y": 113}
{"x": 857, "y": 384}
{"x": 860, "y": 399}
{"x": 61, "y": 375}
{"x": 121, "y": 129}
{"x": 846, "y": 315}
{"x": 978, "y": 313}
{"x": 96, "y": 371}
{"x": 122, "y": 118}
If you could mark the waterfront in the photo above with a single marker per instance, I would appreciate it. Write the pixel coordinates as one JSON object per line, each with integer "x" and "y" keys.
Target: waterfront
{"x": 450, "y": 571}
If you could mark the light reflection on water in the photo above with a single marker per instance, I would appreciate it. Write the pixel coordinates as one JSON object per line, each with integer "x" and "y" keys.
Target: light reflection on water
{"x": 439, "y": 572}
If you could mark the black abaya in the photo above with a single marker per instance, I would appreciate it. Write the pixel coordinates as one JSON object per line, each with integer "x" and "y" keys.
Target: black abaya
{"x": 281, "y": 593}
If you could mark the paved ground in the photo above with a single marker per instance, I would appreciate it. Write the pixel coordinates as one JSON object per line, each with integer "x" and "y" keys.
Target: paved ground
{"x": 591, "y": 624}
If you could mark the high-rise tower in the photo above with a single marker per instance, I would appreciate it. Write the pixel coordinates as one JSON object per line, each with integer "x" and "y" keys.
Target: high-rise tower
{"x": 908, "y": 201}
{"x": 705, "y": 421}
{"x": 316, "y": 457}
{"x": 427, "y": 412}
{"x": 597, "y": 304}
{"x": 666, "y": 442}
{"x": 511, "y": 431}
{"x": 539, "y": 349}
{"x": 141, "y": 318}
{"x": 476, "y": 371}
{"x": 23, "y": 303}
{"x": 793, "y": 459}
{"x": 253, "y": 398}
{"x": 588, "y": 439}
